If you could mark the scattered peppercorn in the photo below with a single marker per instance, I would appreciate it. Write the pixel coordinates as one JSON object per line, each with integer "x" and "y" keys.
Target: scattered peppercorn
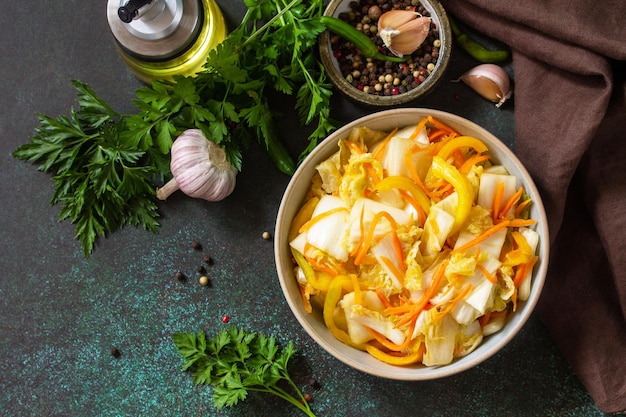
{"x": 267, "y": 235}
{"x": 313, "y": 383}
{"x": 204, "y": 280}
{"x": 115, "y": 352}
{"x": 201, "y": 269}
{"x": 208, "y": 260}
{"x": 180, "y": 276}
{"x": 196, "y": 245}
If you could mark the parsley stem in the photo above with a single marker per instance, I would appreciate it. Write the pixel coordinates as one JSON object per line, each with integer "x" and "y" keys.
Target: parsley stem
{"x": 269, "y": 23}
{"x": 303, "y": 405}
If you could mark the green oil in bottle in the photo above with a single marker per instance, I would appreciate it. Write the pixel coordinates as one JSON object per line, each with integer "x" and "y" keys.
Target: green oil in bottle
{"x": 158, "y": 39}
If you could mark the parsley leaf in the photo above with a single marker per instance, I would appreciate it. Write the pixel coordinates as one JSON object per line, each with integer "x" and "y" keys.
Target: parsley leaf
{"x": 104, "y": 164}
{"x": 237, "y": 362}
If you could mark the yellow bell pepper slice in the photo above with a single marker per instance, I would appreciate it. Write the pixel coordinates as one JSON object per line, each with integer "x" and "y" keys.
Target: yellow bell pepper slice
{"x": 335, "y": 291}
{"x": 305, "y": 213}
{"x": 443, "y": 170}
{"x": 406, "y": 184}
{"x": 461, "y": 142}
{"x": 403, "y": 360}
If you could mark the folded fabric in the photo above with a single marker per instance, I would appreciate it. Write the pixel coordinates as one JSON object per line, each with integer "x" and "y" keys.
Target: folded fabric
{"x": 569, "y": 63}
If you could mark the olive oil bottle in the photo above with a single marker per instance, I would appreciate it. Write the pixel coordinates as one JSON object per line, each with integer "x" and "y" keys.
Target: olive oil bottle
{"x": 158, "y": 39}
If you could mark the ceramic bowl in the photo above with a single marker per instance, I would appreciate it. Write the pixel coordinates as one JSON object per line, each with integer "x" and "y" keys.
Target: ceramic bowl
{"x": 440, "y": 19}
{"x": 313, "y": 323}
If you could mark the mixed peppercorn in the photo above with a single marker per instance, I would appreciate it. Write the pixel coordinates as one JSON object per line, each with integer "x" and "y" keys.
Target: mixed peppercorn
{"x": 383, "y": 78}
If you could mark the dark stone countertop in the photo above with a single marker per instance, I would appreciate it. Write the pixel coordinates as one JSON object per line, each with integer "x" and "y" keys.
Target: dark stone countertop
{"x": 60, "y": 313}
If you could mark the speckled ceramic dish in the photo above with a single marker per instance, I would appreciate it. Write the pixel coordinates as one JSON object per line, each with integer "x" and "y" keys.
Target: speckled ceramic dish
{"x": 439, "y": 17}
{"x": 313, "y": 323}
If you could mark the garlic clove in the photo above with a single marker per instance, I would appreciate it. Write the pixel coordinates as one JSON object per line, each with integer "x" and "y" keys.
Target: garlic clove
{"x": 490, "y": 81}
{"x": 200, "y": 168}
{"x": 403, "y": 31}
{"x": 396, "y": 18}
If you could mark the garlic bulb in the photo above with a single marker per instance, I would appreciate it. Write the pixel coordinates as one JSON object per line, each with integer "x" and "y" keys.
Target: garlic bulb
{"x": 490, "y": 81}
{"x": 200, "y": 168}
{"x": 403, "y": 31}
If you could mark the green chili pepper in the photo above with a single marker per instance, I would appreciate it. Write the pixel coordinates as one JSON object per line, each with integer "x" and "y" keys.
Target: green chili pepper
{"x": 279, "y": 155}
{"x": 360, "y": 40}
{"x": 476, "y": 50}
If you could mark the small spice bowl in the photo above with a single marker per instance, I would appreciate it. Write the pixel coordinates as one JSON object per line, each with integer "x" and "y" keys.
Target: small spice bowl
{"x": 314, "y": 320}
{"x": 405, "y": 82}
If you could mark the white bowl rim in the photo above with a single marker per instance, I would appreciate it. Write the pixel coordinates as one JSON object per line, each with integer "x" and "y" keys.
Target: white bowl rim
{"x": 491, "y": 344}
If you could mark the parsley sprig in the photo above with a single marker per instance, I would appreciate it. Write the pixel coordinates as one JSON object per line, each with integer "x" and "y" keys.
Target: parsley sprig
{"x": 237, "y": 362}
{"x": 104, "y": 164}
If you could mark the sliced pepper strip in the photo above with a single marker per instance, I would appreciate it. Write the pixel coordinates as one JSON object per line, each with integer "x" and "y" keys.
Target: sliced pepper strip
{"x": 441, "y": 169}
{"x": 405, "y": 183}
{"x": 413, "y": 357}
{"x": 321, "y": 283}
{"x": 461, "y": 142}
{"x": 335, "y": 291}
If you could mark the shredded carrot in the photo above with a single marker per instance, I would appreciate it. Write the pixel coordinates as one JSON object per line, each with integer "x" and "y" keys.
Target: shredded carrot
{"x": 454, "y": 302}
{"x": 418, "y": 208}
{"x": 521, "y": 222}
{"x": 510, "y": 203}
{"x": 317, "y": 265}
{"x": 459, "y": 158}
{"x": 481, "y": 237}
{"x": 492, "y": 278}
{"x": 416, "y": 309}
{"x": 378, "y": 152}
{"x": 306, "y": 226}
{"x": 497, "y": 201}
{"x": 371, "y": 171}
{"x": 523, "y": 270}
{"x": 394, "y": 270}
{"x": 486, "y": 318}
{"x": 370, "y": 234}
{"x": 354, "y": 147}
{"x": 435, "y": 147}
{"x": 413, "y": 172}
{"x": 382, "y": 298}
{"x": 418, "y": 128}
{"x": 440, "y": 125}
{"x": 521, "y": 206}
{"x": 437, "y": 134}
{"x": 470, "y": 162}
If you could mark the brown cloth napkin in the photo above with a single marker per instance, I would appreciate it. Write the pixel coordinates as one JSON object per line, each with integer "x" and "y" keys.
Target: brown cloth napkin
{"x": 569, "y": 63}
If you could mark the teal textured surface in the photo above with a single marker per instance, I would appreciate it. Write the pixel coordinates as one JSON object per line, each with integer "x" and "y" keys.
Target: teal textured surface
{"x": 61, "y": 314}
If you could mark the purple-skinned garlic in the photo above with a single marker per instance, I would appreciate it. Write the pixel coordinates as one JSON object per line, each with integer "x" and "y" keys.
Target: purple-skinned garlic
{"x": 200, "y": 169}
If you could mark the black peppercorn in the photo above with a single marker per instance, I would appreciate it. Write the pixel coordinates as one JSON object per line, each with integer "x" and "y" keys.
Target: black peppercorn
{"x": 180, "y": 276}
{"x": 196, "y": 245}
{"x": 115, "y": 352}
{"x": 364, "y": 13}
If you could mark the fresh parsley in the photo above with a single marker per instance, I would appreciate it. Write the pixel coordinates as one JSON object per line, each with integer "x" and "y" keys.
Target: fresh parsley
{"x": 104, "y": 164}
{"x": 237, "y": 362}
